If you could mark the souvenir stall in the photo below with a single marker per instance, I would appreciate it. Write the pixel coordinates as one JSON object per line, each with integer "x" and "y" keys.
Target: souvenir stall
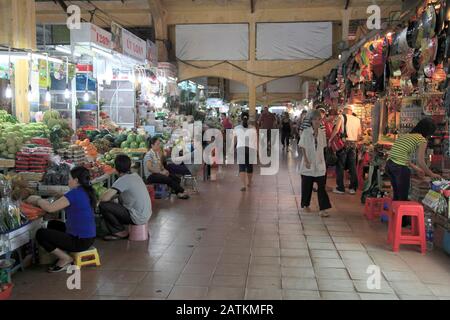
{"x": 396, "y": 79}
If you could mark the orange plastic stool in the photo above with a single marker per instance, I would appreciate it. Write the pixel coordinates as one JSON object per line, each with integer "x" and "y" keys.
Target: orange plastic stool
{"x": 396, "y": 236}
{"x": 375, "y": 207}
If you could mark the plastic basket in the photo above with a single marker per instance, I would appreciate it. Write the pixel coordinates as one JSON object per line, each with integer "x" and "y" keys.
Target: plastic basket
{"x": 5, "y": 295}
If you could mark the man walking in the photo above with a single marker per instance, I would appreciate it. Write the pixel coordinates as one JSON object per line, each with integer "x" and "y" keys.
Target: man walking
{"x": 351, "y": 128}
{"x": 267, "y": 121}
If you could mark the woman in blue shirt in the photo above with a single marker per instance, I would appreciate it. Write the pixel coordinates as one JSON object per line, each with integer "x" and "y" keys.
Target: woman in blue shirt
{"x": 79, "y": 232}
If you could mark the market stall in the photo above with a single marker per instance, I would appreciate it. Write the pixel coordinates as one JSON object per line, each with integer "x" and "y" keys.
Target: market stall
{"x": 394, "y": 80}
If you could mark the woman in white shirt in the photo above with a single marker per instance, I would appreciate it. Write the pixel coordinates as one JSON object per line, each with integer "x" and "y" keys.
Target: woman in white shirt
{"x": 313, "y": 167}
{"x": 246, "y": 142}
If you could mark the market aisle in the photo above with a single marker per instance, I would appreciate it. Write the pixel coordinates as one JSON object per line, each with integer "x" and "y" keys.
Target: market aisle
{"x": 224, "y": 244}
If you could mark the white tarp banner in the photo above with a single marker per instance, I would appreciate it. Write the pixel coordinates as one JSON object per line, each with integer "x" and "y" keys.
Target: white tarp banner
{"x": 294, "y": 41}
{"x": 212, "y": 42}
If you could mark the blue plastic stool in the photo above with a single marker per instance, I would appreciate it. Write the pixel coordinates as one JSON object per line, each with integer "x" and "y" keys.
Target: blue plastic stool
{"x": 161, "y": 191}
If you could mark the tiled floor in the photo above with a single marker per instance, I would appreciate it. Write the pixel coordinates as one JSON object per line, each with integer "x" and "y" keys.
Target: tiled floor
{"x": 225, "y": 244}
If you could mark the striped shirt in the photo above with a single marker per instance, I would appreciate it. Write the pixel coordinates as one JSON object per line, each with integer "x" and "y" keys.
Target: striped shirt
{"x": 307, "y": 124}
{"x": 405, "y": 147}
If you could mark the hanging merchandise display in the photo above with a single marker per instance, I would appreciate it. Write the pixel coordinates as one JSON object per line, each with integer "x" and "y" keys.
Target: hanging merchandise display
{"x": 395, "y": 80}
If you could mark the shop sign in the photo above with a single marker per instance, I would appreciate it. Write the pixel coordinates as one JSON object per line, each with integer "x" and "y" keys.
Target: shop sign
{"x": 101, "y": 37}
{"x": 167, "y": 69}
{"x": 44, "y": 79}
{"x": 134, "y": 46}
{"x": 152, "y": 54}
{"x": 91, "y": 34}
{"x": 127, "y": 43}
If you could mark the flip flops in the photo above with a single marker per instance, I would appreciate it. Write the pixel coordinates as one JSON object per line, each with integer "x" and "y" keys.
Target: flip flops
{"x": 112, "y": 237}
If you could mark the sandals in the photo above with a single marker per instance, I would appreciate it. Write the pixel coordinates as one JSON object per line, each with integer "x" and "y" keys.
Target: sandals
{"x": 113, "y": 237}
{"x": 183, "y": 197}
{"x": 243, "y": 189}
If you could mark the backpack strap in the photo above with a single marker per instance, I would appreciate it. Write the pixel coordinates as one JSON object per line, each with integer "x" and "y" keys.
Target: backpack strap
{"x": 344, "y": 132}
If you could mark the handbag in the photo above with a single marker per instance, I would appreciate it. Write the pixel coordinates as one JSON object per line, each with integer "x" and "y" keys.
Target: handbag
{"x": 338, "y": 142}
{"x": 330, "y": 157}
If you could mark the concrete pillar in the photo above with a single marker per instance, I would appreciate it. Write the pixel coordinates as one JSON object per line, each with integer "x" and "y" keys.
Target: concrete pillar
{"x": 160, "y": 25}
{"x": 252, "y": 101}
{"x": 346, "y": 14}
{"x": 18, "y": 30}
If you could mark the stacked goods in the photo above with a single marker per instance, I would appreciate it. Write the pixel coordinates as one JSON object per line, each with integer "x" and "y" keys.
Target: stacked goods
{"x": 89, "y": 149}
{"x": 74, "y": 154}
{"x": 57, "y": 175}
{"x": 32, "y": 160}
{"x": 42, "y": 142}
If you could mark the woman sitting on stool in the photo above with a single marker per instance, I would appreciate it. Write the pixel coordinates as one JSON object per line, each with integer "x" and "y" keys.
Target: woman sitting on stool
{"x": 155, "y": 172}
{"x": 78, "y": 233}
{"x": 135, "y": 205}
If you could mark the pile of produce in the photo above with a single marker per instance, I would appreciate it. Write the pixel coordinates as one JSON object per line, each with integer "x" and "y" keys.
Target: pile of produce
{"x": 31, "y": 212}
{"x": 34, "y": 130}
{"x": 99, "y": 189}
{"x": 108, "y": 158}
{"x": 134, "y": 141}
{"x": 98, "y": 169}
{"x": 57, "y": 175}
{"x": 6, "y": 117}
{"x": 95, "y": 135}
{"x": 89, "y": 148}
{"x": 60, "y": 130}
{"x": 10, "y": 217}
{"x": 11, "y": 140}
{"x": 19, "y": 186}
{"x": 103, "y": 145}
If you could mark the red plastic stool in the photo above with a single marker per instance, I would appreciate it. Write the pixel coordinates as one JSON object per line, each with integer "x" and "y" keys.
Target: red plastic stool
{"x": 151, "y": 192}
{"x": 396, "y": 236}
{"x": 375, "y": 207}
